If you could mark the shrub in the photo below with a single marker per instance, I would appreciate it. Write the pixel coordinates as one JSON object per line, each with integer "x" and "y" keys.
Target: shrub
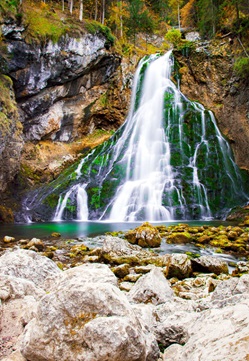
{"x": 241, "y": 67}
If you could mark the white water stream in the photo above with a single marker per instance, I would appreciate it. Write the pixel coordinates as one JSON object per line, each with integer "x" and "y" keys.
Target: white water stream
{"x": 152, "y": 188}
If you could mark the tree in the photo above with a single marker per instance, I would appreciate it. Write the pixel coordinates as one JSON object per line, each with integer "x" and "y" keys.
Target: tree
{"x": 138, "y": 16}
{"x": 175, "y": 6}
{"x": 118, "y": 11}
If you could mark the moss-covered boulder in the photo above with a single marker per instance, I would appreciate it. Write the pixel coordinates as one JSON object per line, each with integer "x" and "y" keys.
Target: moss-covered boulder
{"x": 145, "y": 235}
{"x": 179, "y": 237}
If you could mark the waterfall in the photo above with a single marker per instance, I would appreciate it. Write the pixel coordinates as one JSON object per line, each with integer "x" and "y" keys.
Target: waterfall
{"x": 76, "y": 192}
{"x": 168, "y": 161}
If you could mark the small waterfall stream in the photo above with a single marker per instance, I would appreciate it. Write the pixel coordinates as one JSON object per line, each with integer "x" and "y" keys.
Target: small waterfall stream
{"x": 168, "y": 161}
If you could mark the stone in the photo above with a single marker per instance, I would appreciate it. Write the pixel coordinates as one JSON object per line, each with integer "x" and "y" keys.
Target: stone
{"x": 195, "y": 288}
{"x": 37, "y": 243}
{"x": 16, "y": 313}
{"x": 241, "y": 267}
{"x": 216, "y": 334}
{"x": 90, "y": 321}
{"x": 8, "y": 239}
{"x": 28, "y": 265}
{"x": 121, "y": 271}
{"x": 209, "y": 264}
{"x": 126, "y": 286}
{"x": 14, "y": 356}
{"x": 230, "y": 291}
{"x": 145, "y": 235}
{"x": 168, "y": 334}
{"x": 179, "y": 237}
{"x": 89, "y": 272}
{"x": 118, "y": 251}
{"x": 177, "y": 265}
{"x": 13, "y": 287}
{"x": 151, "y": 288}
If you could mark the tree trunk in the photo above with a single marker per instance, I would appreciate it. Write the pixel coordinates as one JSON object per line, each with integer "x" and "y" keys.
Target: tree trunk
{"x": 96, "y": 10}
{"x": 71, "y": 6}
{"x": 103, "y": 12}
{"x": 179, "y": 19}
{"x": 63, "y": 5}
{"x": 121, "y": 20}
{"x": 81, "y": 10}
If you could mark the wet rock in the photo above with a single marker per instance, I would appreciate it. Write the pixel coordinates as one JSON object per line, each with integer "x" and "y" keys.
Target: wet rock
{"x": 151, "y": 288}
{"x": 209, "y": 264}
{"x": 145, "y": 235}
{"x": 179, "y": 237}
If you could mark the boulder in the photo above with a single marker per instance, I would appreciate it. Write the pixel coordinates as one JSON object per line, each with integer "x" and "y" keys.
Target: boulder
{"x": 13, "y": 287}
{"x": 177, "y": 265}
{"x": 209, "y": 264}
{"x": 28, "y": 265}
{"x": 230, "y": 292}
{"x": 168, "y": 334}
{"x": 116, "y": 250}
{"x": 89, "y": 321}
{"x": 145, "y": 235}
{"x": 217, "y": 334}
{"x": 151, "y": 288}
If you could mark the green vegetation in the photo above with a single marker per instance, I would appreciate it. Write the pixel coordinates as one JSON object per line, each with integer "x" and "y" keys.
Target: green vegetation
{"x": 241, "y": 67}
{"x": 128, "y": 24}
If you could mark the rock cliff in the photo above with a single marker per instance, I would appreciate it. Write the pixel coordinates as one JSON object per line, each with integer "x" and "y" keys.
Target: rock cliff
{"x": 63, "y": 91}
{"x": 207, "y": 75}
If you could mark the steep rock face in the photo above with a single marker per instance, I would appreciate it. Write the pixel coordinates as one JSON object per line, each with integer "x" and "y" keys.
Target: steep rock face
{"x": 57, "y": 85}
{"x": 11, "y": 141}
{"x": 207, "y": 76}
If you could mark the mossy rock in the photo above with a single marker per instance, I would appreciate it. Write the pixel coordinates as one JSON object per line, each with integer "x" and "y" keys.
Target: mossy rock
{"x": 145, "y": 235}
{"x": 179, "y": 238}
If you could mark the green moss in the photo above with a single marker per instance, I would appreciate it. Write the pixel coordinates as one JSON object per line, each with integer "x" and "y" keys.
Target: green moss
{"x": 52, "y": 200}
{"x": 44, "y": 25}
{"x": 95, "y": 27}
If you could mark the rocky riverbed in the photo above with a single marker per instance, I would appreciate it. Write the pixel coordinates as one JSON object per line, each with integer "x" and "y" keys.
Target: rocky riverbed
{"x": 125, "y": 301}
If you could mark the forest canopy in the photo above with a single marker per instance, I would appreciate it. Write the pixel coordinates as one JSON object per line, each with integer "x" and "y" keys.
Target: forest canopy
{"x": 129, "y": 17}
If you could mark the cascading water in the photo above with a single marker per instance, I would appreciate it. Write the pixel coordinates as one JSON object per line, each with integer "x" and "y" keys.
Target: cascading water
{"x": 168, "y": 161}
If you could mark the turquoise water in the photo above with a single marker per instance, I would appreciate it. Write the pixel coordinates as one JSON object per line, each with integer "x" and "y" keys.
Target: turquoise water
{"x": 82, "y": 229}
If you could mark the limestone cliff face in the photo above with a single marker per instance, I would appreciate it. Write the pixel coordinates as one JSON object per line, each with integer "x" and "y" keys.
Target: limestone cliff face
{"x": 207, "y": 76}
{"x": 57, "y": 85}
{"x": 51, "y": 96}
